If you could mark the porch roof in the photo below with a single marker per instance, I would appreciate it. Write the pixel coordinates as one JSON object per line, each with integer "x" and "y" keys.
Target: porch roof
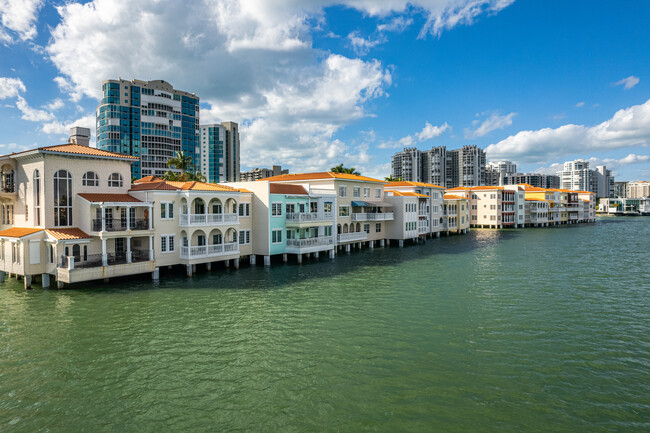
{"x": 19, "y": 232}
{"x": 67, "y": 233}
{"x": 108, "y": 198}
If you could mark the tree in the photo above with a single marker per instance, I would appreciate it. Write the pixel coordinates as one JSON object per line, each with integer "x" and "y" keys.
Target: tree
{"x": 392, "y": 179}
{"x": 344, "y": 170}
{"x": 188, "y": 170}
{"x": 181, "y": 162}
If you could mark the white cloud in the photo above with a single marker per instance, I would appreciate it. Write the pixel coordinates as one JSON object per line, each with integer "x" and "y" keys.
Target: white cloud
{"x": 580, "y": 104}
{"x": 628, "y": 127}
{"x": 610, "y": 163}
{"x": 19, "y": 17}
{"x": 397, "y": 24}
{"x": 63, "y": 128}
{"x": 633, "y": 159}
{"x": 429, "y": 131}
{"x": 444, "y": 15}
{"x": 11, "y": 87}
{"x": 628, "y": 82}
{"x": 32, "y": 114}
{"x": 360, "y": 45}
{"x": 495, "y": 121}
{"x": 55, "y": 105}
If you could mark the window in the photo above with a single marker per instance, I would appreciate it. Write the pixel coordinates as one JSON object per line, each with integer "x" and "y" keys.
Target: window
{"x": 115, "y": 180}
{"x": 276, "y": 209}
{"x": 377, "y": 227}
{"x": 62, "y": 199}
{"x": 366, "y": 192}
{"x": 377, "y": 193}
{"x": 342, "y": 191}
{"x": 167, "y": 244}
{"x": 327, "y": 207}
{"x": 366, "y": 227}
{"x": 90, "y": 178}
{"x": 244, "y": 237}
{"x": 344, "y": 211}
{"x": 290, "y": 208}
{"x": 474, "y": 217}
{"x": 37, "y": 196}
{"x": 356, "y": 191}
{"x": 26, "y": 213}
{"x": 166, "y": 210}
{"x": 244, "y": 209}
{"x": 473, "y": 207}
{"x": 276, "y": 236}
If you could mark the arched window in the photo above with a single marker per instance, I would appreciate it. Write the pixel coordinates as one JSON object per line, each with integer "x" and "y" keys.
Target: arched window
{"x": 115, "y": 180}
{"x": 37, "y": 196}
{"x": 76, "y": 252}
{"x": 62, "y": 199}
{"x": 90, "y": 179}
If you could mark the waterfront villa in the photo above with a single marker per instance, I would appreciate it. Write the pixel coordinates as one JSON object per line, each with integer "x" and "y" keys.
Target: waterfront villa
{"x": 490, "y": 206}
{"x": 455, "y": 214}
{"x": 430, "y": 210}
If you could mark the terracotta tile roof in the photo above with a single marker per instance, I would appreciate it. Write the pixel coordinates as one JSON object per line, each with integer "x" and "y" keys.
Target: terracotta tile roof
{"x": 406, "y": 194}
{"x": 485, "y": 188}
{"x": 535, "y": 199}
{"x": 150, "y": 183}
{"x": 320, "y": 176}
{"x": 408, "y": 183}
{"x": 148, "y": 179}
{"x": 283, "y": 188}
{"x": 454, "y": 197}
{"x": 67, "y": 233}
{"x": 78, "y": 149}
{"x": 535, "y": 189}
{"x": 585, "y": 192}
{"x": 459, "y": 188}
{"x": 115, "y": 198}
{"x": 18, "y": 232}
{"x": 149, "y": 186}
{"x": 245, "y": 190}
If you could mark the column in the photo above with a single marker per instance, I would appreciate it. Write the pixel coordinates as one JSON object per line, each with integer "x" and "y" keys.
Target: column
{"x": 371, "y": 244}
{"x": 401, "y": 243}
{"x": 3, "y": 275}
{"x": 332, "y": 253}
{"x": 188, "y": 270}
{"x": 70, "y": 263}
{"x": 151, "y": 247}
{"x": 103, "y": 219}
{"x": 267, "y": 261}
{"x": 253, "y": 259}
{"x": 28, "y": 282}
{"x": 128, "y": 241}
{"x": 285, "y": 258}
{"x": 155, "y": 275}
{"x": 382, "y": 243}
{"x": 347, "y": 248}
{"x": 236, "y": 263}
{"x": 104, "y": 255}
{"x": 150, "y": 216}
{"x": 208, "y": 266}
{"x": 128, "y": 218}
{"x": 45, "y": 281}
{"x": 299, "y": 256}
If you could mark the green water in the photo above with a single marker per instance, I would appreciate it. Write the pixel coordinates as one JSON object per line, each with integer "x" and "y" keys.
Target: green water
{"x": 522, "y": 330}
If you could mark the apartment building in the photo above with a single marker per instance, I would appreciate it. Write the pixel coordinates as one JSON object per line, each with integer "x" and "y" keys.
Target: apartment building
{"x": 362, "y": 213}
{"x": 456, "y": 215}
{"x": 262, "y": 173}
{"x": 638, "y": 189}
{"x": 406, "y": 224}
{"x": 219, "y": 156}
{"x": 430, "y": 211}
{"x": 291, "y": 219}
{"x": 577, "y": 176}
{"x": 407, "y": 165}
{"x": 488, "y": 209}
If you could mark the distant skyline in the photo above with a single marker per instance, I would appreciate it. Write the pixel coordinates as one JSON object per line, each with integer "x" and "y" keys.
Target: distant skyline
{"x": 317, "y": 83}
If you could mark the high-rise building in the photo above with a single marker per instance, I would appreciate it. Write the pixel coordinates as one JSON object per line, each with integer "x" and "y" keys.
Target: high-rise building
{"x": 407, "y": 165}
{"x": 533, "y": 179}
{"x": 577, "y": 176}
{"x": 468, "y": 167}
{"x": 220, "y": 152}
{"x": 261, "y": 173}
{"x": 150, "y": 120}
{"x": 434, "y": 166}
{"x": 638, "y": 189}
{"x": 495, "y": 171}
{"x": 620, "y": 189}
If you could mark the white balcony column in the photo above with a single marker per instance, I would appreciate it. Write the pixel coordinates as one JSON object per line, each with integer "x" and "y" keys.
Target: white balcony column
{"x": 149, "y": 220}
{"x": 104, "y": 255}
{"x": 103, "y": 223}
{"x": 70, "y": 263}
{"x": 128, "y": 243}
{"x": 150, "y": 247}
{"x": 128, "y": 218}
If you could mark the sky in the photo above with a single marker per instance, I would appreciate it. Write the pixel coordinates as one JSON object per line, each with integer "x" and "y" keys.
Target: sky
{"x": 322, "y": 82}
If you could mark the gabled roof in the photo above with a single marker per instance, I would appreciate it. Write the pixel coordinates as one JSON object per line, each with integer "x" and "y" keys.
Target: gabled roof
{"x": 454, "y": 197}
{"x": 284, "y": 188}
{"x": 459, "y": 188}
{"x": 152, "y": 183}
{"x": 409, "y": 183}
{"x": 406, "y": 194}
{"x": 19, "y": 232}
{"x": 109, "y": 198}
{"x": 320, "y": 176}
{"x": 475, "y": 188}
{"x": 75, "y": 149}
{"x": 67, "y": 233}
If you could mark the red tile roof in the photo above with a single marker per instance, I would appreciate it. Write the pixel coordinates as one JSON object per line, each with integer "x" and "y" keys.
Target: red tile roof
{"x": 150, "y": 183}
{"x": 109, "y": 198}
{"x": 18, "y": 232}
{"x": 407, "y": 183}
{"x": 406, "y": 194}
{"x": 67, "y": 233}
{"x": 77, "y": 149}
{"x": 283, "y": 188}
{"x": 320, "y": 176}
{"x": 454, "y": 197}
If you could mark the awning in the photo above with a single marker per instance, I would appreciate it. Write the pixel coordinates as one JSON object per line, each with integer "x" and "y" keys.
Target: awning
{"x": 360, "y": 203}
{"x": 379, "y": 204}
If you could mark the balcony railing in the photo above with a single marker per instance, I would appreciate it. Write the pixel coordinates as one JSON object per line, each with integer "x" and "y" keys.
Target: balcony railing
{"x": 310, "y": 242}
{"x": 8, "y": 186}
{"x": 208, "y": 219}
{"x": 119, "y": 225}
{"x": 352, "y": 237}
{"x": 209, "y": 250}
{"x": 306, "y": 217}
{"x": 95, "y": 260}
{"x": 423, "y": 230}
{"x": 385, "y": 216}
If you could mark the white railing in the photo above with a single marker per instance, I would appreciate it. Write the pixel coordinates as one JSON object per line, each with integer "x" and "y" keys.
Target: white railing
{"x": 209, "y": 219}
{"x": 209, "y": 250}
{"x": 351, "y": 237}
{"x": 386, "y": 216}
{"x": 301, "y": 217}
{"x": 310, "y": 242}
{"x": 423, "y": 230}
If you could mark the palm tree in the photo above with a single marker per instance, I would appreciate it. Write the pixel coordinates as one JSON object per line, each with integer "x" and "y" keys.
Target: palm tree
{"x": 392, "y": 179}
{"x": 197, "y": 176}
{"x": 171, "y": 175}
{"x": 181, "y": 162}
{"x": 340, "y": 169}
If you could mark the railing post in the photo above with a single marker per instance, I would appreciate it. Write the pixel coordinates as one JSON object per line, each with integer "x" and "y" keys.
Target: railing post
{"x": 70, "y": 263}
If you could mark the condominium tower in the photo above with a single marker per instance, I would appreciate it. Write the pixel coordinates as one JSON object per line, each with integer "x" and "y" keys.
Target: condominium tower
{"x": 577, "y": 176}
{"x": 219, "y": 156}
{"x": 149, "y": 120}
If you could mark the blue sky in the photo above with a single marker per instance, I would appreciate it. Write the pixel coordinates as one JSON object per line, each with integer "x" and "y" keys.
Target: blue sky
{"x": 321, "y": 82}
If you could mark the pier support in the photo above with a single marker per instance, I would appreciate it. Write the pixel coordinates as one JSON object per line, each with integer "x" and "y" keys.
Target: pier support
{"x": 267, "y": 261}
{"x": 227, "y": 263}
{"x": 193, "y": 268}
{"x": 188, "y": 270}
{"x": 401, "y": 243}
{"x": 155, "y": 275}
{"x": 382, "y": 243}
{"x": 437, "y": 234}
{"x": 371, "y": 244}
{"x": 299, "y": 257}
{"x": 285, "y": 258}
{"x": 3, "y": 275}
{"x": 235, "y": 263}
{"x": 332, "y": 253}
{"x": 59, "y": 285}
{"x": 45, "y": 281}
{"x": 28, "y": 282}
{"x": 208, "y": 266}
{"x": 347, "y": 248}
{"x": 253, "y": 259}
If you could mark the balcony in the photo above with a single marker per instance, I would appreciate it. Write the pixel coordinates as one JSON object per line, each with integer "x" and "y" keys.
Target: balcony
{"x": 205, "y": 251}
{"x": 309, "y": 245}
{"x": 74, "y": 269}
{"x": 208, "y": 219}
{"x": 307, "y": 219}
{"x": 352, "y": 237}
{"x": 120, "y": 225}
{"x": 385, "y": 216}
{"x": 423, "y": 230}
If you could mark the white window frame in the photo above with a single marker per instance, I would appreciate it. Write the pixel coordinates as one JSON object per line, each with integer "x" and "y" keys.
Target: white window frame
{"x": 343, "y": 191}
{"x": 276, "y": 209}
{"x": 347, "y": 213}
{"x": 170, "y": 243}
{"x": 276, "y": 241}
{"x": 169, "y": 210}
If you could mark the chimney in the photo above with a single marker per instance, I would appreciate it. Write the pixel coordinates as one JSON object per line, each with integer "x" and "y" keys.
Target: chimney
{"x": 79, "y": 135}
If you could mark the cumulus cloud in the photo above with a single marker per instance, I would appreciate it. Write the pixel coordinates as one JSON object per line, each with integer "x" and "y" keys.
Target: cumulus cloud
{"x": 580, "y": 104}
{"x": 63, "y": 128}
{"x": 628, "y": 127}
{"x": 397, "y": 24}
{"x": 360, "y": 45}
{"x": 610, "y": 163}
{"x": 494, "y": 122}
{"x": 18, "y": 18}
{"x": 32, "y": 114}
{"x": 11, "y": 87}
{"x": 628, "y": 82}
{"x": 429, "y": 131}
{"x": 55, "y": 105}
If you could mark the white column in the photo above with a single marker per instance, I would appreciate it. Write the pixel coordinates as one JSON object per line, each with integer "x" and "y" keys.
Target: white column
{"x": 103, "y": 220}
{"x": 128, "y": 217}
{"x": 151, "y": 247}
{"x": 150, "y": 216}
{"x": 104, "y": 255}
{"x": 128, "y": 241}
{"x": 45, "y": 281}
